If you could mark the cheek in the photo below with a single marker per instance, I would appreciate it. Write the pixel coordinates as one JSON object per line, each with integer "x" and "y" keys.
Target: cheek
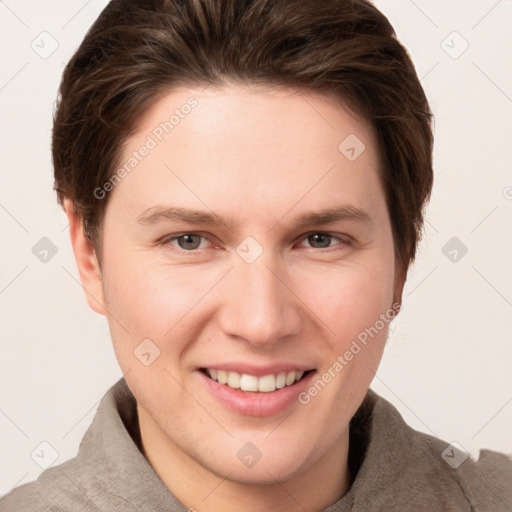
{"x": 148, "y": 294}
{"x": 355, "y": 306}
{"x": 349, "y": 300}
{"x": 150, "y": 302}
{"x": 152, "y": 332}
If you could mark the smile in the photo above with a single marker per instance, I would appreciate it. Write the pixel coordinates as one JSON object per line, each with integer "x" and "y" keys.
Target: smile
{"x": 264, "y": 384}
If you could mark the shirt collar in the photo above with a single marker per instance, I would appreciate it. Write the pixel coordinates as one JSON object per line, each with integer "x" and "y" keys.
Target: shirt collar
{"x": 112, "y": 447}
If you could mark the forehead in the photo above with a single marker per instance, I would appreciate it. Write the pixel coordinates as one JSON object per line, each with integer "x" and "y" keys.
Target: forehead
{"x": 253, "y": 146}
{"x": 258, "y": 112}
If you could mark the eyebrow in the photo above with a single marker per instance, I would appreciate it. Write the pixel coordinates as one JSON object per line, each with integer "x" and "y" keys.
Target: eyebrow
{"x": 157, "y": 214}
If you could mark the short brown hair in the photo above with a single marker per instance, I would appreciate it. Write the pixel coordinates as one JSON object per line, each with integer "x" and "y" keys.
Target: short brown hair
{"x": 139, "y": 49}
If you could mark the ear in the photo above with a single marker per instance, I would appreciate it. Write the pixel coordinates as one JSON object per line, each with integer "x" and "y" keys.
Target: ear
{"x": 86, "y": 260}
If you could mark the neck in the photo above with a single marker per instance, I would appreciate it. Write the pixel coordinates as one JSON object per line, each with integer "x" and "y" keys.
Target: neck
{"x": 312, "y": 488}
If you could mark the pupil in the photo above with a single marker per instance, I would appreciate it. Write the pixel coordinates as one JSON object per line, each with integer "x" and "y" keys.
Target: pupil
{"x": 188, "y": 241}
{"x": 315, "y": 238}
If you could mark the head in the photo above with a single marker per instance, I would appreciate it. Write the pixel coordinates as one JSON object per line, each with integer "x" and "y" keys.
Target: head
{"x": 300, "y": 136}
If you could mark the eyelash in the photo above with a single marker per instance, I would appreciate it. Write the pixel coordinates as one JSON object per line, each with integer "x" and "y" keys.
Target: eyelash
{"x": 167, "y": 240}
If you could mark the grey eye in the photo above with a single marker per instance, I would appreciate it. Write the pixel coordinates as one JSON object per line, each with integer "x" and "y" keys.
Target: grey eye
{"x": 321, "y": 239}
{"x": 187, "y": 242}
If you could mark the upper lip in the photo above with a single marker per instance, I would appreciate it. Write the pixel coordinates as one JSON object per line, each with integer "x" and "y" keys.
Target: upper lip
{"x": 258, "y": 370}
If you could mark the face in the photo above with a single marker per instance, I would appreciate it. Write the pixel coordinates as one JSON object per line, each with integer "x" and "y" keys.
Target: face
{"x": 250, "y": 243}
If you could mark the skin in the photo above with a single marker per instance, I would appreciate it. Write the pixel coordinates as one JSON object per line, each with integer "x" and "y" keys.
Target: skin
{"x": 259, "y": 158}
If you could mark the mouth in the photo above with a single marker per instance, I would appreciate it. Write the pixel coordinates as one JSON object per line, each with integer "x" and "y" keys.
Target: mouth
{"x": 256, "y": 384}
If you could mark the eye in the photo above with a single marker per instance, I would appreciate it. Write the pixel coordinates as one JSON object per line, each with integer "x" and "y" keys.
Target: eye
{"x": 192, "y": 242}
{"x": 322, "y": 240}
{"x": 186, "y": 242}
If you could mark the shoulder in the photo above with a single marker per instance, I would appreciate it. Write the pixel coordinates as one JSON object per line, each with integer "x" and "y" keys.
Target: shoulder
{"x": 446, "y": 474}
{"x": 487, "y": 482}
{"x": 54, "y": 490}
{"x": 483, "y": 483}
{"x": 86, "y": 482}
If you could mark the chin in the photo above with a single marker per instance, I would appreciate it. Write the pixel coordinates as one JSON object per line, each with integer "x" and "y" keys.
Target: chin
{"x": 266, "y": 465}
{"x": 263, "y": 472}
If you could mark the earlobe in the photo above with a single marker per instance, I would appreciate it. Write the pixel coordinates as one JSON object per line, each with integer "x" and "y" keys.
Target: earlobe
{"x": 86, "y": 260}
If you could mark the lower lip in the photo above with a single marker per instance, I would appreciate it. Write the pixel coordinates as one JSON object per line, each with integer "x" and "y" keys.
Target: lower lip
{"x": 252, "y": 403}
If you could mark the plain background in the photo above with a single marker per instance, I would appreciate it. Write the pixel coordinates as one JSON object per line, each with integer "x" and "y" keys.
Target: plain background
{"x": 448, "y": 360}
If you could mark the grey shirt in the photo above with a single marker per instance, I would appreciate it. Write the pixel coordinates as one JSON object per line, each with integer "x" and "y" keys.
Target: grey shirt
{"x": 395, "y": 468}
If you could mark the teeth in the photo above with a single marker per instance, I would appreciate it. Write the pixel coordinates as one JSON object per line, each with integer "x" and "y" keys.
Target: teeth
{"x": 234, "y": 380}
{"x": 265, "y": 384}
{"x": 222, "y": 377}
{"x": 248, "y": 382}
{"x": 281, "y": 380}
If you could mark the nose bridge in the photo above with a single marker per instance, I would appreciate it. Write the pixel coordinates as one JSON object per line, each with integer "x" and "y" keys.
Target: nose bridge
{"x": 259, "y": 308}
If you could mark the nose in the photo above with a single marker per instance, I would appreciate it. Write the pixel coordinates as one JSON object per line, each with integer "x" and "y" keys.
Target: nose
{"x": 259, "y": 305}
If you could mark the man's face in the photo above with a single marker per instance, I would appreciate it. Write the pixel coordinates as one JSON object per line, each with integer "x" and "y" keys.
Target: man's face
{"x": 259, "y": 295}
